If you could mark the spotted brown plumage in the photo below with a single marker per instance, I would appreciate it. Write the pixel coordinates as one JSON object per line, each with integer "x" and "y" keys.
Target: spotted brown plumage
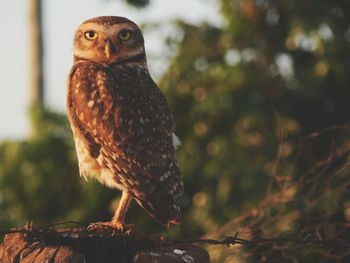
{"x": 122, "y": 125}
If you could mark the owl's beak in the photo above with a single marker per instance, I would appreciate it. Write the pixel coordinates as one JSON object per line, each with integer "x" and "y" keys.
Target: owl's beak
{"x": 108, "y": 48}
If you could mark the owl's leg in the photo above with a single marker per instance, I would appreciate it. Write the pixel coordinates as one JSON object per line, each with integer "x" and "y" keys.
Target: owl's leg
{"x": 118, "y": 218}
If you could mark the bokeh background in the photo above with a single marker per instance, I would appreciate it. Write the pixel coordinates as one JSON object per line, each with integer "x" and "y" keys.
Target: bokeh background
{"x": 260, "y": 91}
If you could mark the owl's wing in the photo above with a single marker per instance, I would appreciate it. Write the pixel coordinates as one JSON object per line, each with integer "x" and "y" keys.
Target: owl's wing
{"x": 129, "y": 123}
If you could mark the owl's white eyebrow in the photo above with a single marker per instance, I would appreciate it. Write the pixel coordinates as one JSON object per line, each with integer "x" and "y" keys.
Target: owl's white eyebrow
{"x": 108, "y": 30}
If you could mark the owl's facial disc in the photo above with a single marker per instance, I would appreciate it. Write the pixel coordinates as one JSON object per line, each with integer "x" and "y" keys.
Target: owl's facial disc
{"x": 108, "y": 43}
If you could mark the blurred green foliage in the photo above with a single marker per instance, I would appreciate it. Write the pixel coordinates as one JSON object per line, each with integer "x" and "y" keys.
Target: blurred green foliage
{"x": 260, "y": 105}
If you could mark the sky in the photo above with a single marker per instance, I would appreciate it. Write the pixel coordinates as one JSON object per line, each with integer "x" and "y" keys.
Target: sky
{"x": 61, "y": 18}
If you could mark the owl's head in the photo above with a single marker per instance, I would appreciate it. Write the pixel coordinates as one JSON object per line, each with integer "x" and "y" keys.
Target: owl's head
{"x": 109, "y": 39}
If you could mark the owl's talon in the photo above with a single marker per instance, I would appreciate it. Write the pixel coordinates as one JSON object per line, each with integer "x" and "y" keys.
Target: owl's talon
{"x": 125, "y": 228}
{"x": 129, "y": 229}
{"x": 116, "y": 226}
{"x": 100, "y": 226}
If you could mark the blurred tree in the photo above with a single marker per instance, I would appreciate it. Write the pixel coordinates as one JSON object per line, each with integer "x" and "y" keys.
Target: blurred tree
{"x": 36, "y": 59}
{"x": 244, "y": 93}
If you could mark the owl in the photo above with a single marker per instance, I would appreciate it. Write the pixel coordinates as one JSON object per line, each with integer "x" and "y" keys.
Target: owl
{"x": 122, "y": 125}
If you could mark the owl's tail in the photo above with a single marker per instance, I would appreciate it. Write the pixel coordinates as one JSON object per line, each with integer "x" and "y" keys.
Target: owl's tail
{"x": 164, "y": 208}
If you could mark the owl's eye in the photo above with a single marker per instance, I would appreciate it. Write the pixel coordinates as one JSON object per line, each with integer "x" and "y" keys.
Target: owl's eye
{"x": 90, "y": 35}
{"x": 125, "y": 35}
